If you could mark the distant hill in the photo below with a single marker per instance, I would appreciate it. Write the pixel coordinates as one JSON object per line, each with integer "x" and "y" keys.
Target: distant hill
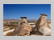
{"x": 20, "y": 19}
{"x": 11, "y": 19}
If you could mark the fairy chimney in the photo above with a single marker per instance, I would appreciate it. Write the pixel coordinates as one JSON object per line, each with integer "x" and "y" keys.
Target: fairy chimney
{"x": 44, "y": 27}
{"x": 23, "y": 28}
{"x": 41, "y": 23}
{"x": 24, "y": 20}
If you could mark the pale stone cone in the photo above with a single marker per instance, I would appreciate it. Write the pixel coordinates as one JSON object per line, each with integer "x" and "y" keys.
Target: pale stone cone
{"x": 23, "y": 28}
{"x": 42, "y": 23}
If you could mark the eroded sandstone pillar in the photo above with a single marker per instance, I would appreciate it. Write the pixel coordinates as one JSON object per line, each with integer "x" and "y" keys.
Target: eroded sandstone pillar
{"x": 41, "y": 26}
{"x": 23, "y": 28}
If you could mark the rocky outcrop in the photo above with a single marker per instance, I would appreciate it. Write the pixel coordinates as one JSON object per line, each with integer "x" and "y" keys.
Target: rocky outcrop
{"x": 23, "y": 28}
{"x": 42, "y": 27}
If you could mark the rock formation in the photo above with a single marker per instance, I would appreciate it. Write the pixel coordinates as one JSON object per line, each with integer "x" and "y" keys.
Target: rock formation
{"x": 42, "y": 27}
{"x": 23, "y": 28}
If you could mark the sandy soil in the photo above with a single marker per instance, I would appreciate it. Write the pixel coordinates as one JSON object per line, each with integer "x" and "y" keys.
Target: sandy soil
{"x": 4, "y": 33}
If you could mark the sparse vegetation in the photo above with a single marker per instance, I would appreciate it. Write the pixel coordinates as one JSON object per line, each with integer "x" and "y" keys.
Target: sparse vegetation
{"x": 13, "y": 26}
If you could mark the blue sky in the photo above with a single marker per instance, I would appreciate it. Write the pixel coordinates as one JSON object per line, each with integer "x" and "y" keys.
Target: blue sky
{"x": 31, "y": 11}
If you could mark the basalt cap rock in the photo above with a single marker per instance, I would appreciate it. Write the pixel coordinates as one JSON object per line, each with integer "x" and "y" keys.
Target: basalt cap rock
{"x": 44, "y": 14}
{"x": 23, "y": 17}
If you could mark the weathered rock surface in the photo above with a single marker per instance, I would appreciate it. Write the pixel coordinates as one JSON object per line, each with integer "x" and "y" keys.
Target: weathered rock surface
{"x": 45, "y": 30}
{"x": 42, "y": 27}
{"x": 23, "y": 28}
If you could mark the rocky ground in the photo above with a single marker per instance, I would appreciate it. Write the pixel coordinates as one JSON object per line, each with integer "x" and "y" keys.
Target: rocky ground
{"x": 9, "y": 32}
